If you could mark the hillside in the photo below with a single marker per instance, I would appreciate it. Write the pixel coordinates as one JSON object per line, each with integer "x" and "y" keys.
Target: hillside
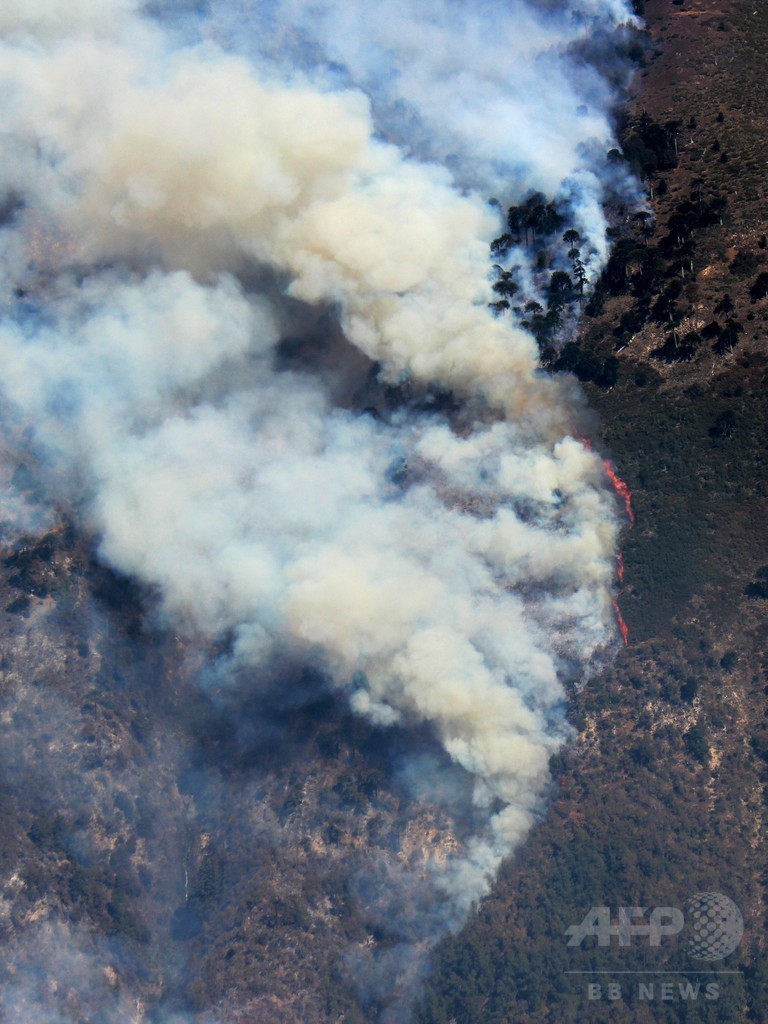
{"x": 664, "y": 793}
{"x": 183, "y": 845}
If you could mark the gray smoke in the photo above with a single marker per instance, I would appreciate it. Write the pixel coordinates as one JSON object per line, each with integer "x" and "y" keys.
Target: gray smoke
{"x": 173, "y": 207}
{"x": 60, "y": 974}
{"x": 503, "y": 95}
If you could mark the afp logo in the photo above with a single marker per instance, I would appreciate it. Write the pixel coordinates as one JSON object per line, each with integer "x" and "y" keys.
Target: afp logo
{"x": 713, "y": 924}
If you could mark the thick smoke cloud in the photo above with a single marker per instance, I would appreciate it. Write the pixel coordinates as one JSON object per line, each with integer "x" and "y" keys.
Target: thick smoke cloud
{"x": 173, "y": 210}
{"x": 503, "y": 95}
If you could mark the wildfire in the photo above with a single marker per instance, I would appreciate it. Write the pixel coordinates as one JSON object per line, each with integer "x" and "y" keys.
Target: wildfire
{"x": 623, "y": 491}
{"x": 622, "y": 624}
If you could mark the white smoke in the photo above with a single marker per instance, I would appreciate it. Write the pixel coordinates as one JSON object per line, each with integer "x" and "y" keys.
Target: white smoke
{"x": 445, "y": 571}
{"x": 504, "y": 96}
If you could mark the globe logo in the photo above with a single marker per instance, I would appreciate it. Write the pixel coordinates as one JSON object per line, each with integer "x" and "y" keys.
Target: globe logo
{"x": 716, "y": 923}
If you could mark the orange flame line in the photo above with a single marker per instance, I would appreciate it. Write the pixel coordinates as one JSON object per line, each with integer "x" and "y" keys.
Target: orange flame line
{"x": 621, "y": 489}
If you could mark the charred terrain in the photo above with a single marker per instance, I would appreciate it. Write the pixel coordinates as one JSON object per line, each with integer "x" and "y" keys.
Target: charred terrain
{"x": 250, "y": 850}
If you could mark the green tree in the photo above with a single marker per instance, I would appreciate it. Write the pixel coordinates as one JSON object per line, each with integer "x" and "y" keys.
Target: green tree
{"x": 696, "y": 743}
{"x": 759, "y": 289}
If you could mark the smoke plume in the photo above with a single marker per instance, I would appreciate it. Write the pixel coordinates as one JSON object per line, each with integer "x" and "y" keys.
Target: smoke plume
{"x": 226, "y": 240}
